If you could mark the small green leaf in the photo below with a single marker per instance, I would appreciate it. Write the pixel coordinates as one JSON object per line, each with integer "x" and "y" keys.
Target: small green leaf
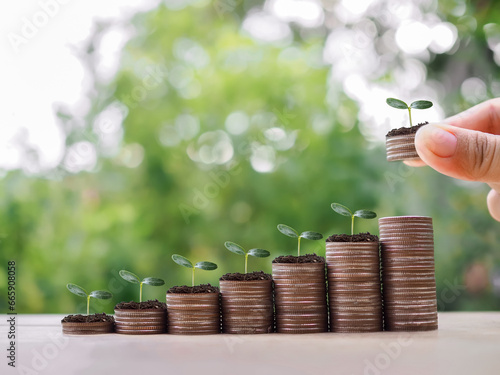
{"x": 78, "y": 290}
{"x": 182, "y": 261}
{"x": 311, "y": 235}
{"x": 288, "y": 231}
{"x": 421, "y": 104}
{"x": 153, "y": 281}
{"x": 130, "y": 277}
{"x": 340, "y": 209}
{"x": 101, "y": 294}
{"x": 396, "y": 103}
{"x": 259, "y": 253}
{"x": 234, "y": 247}
{"x": 207, "y": 266}
{"x": 365, "y": 214}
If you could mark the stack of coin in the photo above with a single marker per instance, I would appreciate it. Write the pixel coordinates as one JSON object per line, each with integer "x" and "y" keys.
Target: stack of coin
{"x": 193, "y": 313}
{"x": 354, "y": 286}
{"x": 408, "y": 282}
{"x": 401, "y": 147}
{"x": 93, "y": 328}
{"x": 247, "y": 306}
{"x": 88, "y": 324}
{"x": 300, "y": 296}
{"x": 140, "y": 322}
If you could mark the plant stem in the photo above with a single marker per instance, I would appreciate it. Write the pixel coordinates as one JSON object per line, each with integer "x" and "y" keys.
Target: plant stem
{"x": 192, "y": 278}
{"x": 140, "y": 292}
{"x": 352, "y": 225}
{"x": 88, "y": 304}
{"x": 299, "y": 247}
{"x": 246, "y": 262}
{"x": 409, "y": 111}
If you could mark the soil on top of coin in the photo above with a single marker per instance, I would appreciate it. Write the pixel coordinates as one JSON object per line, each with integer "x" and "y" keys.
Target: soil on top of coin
{"x": 308, "y": 258}
{"x": 88, "y": 318}
{"x": 361, "y": 237}
{"x": 252, "y": 276}
{"x": 405, "y": 130}
{"x": 203, "y": 288}
{"x": 151, "y": 304}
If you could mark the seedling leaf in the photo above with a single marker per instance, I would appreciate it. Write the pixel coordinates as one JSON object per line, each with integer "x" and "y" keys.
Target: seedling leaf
{"x": 259, "y": 253}
{"x": 288, "y": 231}
{"x": 421, "y": 104}
{"x": 181, "y": 261}
{"x": 208, "y": 266}
{"x": 396, "y": 103}
{"x": 340, "y": 209}
{"x": 101, "y": 294}
{"x": 78, "y": 290}
{"x": 235, "y": 248}
{"x": 365, "y": 214}
{"x": 311, "y": 235}
{"x": 130, "y": 277}
{"x": 153, "y": 281}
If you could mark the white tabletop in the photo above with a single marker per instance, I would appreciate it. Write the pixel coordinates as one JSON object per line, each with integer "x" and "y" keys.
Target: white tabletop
{"x": 466, "y": 343}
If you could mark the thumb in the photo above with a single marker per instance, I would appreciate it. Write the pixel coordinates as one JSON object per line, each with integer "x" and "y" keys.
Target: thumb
{"x": 461, "y": 153}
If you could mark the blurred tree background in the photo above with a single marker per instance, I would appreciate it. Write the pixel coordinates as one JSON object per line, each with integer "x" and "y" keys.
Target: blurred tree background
{"x": 226, "y": 118}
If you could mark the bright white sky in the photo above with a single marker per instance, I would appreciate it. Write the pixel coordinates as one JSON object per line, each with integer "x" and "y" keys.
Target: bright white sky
{"x": 42, "y": 70}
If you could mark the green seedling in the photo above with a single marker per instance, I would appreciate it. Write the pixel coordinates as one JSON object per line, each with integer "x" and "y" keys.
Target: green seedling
{"x": 134, "y": 279}
{"x": 237, "y": 249}
{"x": 399, "y": 104}
{"x": 182, "y": 261}
{"x": 79, "y": 291}
{"x": 343, "y": 210}
{"x": 290, "y": 232}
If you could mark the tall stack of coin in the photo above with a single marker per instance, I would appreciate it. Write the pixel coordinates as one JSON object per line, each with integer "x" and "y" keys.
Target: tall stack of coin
{"x": 247, "y": 306}
{"x": 300, "y": 297}
{"x": 409, "y": 287}
{"x": 193, "y": 313}
{"x": 354, "y": 284}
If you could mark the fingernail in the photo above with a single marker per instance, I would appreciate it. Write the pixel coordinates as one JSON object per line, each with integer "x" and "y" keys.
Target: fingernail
{"x": 440, "y": 142}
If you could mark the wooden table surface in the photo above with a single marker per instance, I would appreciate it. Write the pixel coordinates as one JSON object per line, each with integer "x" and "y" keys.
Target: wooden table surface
{"x": 466, "y": 343}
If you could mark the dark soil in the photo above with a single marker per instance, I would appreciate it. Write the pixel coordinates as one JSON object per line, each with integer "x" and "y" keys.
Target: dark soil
{"x": 361, "y": 237}
{"x": 257, "y": 275}
{"x": 203, "y": 288}
{"x": 405, "y": 131}
{"x": 152, "y": 304}
{"x": 88, "y": 318}
{"x": 308, "y": 258}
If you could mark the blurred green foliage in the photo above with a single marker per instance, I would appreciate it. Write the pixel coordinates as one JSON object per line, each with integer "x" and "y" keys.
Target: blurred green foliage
{"x": 150, "y": 199}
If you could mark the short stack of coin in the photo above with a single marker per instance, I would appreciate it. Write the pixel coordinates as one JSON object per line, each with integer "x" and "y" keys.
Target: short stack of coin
{"x": 140, "y": 322}
{"x": 408, "y": 281}
{"x": 300, "y": 297}
{"x": 193, "y": 314}
{"x": 247, "y": 306}
{"x": 354, "y": 286}
{"x": 93, "y": 328}
{"x": 401, "y": 147}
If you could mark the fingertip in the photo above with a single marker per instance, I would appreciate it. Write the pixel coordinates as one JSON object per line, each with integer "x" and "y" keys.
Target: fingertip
{"x": 493, "y": 201}
{"x": 414, "y": 163}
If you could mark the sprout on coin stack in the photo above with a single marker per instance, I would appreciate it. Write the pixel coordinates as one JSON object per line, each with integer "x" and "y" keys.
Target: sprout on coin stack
{"x": 300, "y": 288}
{"x": 88, "y": 324}
{"x": 195, "y": 309}
{"x": 400, "y": 143}
{"x": 246, "y": 299}
{"x": 138, "y": 318}
{"x": 354, "y": 277}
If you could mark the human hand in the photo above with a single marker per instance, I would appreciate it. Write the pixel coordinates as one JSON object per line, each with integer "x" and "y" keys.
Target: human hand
{"x": 466, "y": 146}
